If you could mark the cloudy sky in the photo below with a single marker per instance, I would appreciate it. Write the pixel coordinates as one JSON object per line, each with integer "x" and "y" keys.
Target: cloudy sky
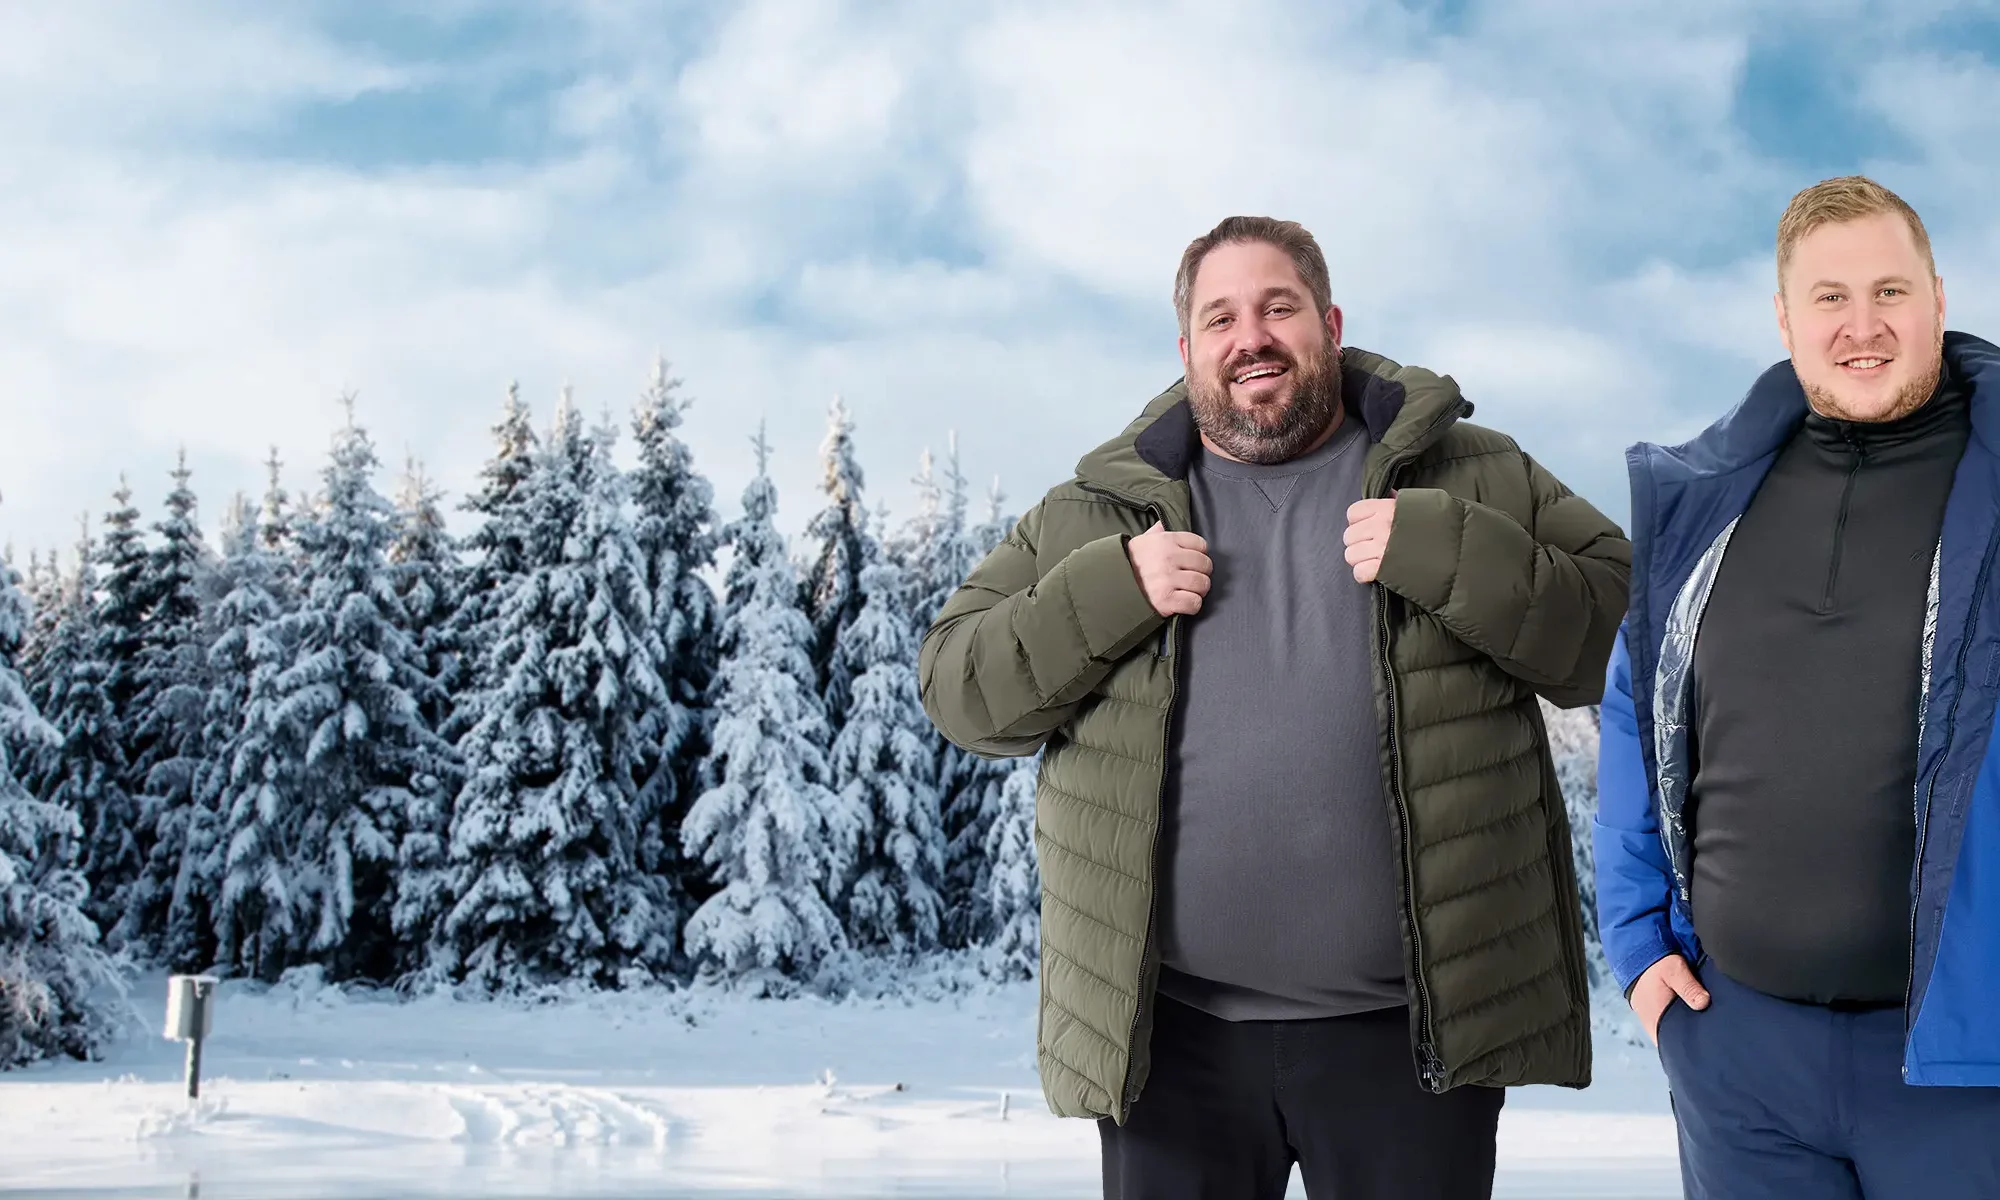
{"x": 217, "y": 217}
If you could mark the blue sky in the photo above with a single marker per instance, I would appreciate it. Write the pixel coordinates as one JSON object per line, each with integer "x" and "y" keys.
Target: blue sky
{"x": 961, "y": 218}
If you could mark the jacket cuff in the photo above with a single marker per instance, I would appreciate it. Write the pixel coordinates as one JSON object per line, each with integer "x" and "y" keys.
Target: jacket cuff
{"x": 1111, "y": 608}
{"x": 1420, "y": 563}
{"x": 1632, "y": 962}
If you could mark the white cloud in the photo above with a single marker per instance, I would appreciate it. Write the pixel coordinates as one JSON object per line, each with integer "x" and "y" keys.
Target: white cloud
{"x": 1722, "y": 314}
{"x": 1503, "y": 203}
{"x": 1104, "y": 144}
{"x": 126, "y": 68}
{"x": 794, "y": 84}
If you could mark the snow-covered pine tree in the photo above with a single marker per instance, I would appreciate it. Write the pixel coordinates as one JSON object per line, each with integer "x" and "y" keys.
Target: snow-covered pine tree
{"x": 1573, "y": 743}
{"x": 251, "y": 766}
{"x": 878, "y": 532}
{"x": 674, "y": 527}
{"x": 493, "y": 562}
{"x": 545, "y": 833}
{"x": 988, "y": 534}
{"x": 914, "y": 546}
{"x": 1013, "y": 897}
{"x": 423, "y": 561}
{"x": 35, "y": 584}
{"x": 274, "y": 518}
{"x": 977, "y": 799}
{"x": 944, "y": 553}
{"x": 44, "y": 589}
{"x": 885, "y": 766}
{"x": 773, "y": 834}
{"x": 112, "y": 851}
{"x": 240, "y": 532}
{"x": 833, "y": 584}
{"x": 349, "y": 740}
{"x": 953, "y": 552}
{"x": 82, "y": 772}
{"x": 59, "y": 633}
{"x": 277, "y": 523}
{"x": 936, "y": 546}
{"x": 167, "y": 717}
{"x": 495, "y": 550}
{"x": 189, "y": 941}
{"x": 54, "y": 980}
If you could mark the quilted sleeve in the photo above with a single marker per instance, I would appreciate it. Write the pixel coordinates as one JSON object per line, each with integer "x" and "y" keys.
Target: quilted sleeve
{"x": 1012, "y": 654}
{"x": 1542, "y": 600}
{"x": 1634, "y": 882}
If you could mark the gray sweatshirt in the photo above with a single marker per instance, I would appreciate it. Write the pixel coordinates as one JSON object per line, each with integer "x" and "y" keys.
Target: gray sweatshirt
{"x": 1279, "y": 886}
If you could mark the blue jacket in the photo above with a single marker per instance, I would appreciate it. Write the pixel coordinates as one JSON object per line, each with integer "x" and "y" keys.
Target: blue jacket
{"x": 1685, "y": 502}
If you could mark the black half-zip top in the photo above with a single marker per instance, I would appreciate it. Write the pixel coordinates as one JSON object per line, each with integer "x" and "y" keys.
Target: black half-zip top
{"x": 1807, "y": 673}
{"x": 1919, "y": 442}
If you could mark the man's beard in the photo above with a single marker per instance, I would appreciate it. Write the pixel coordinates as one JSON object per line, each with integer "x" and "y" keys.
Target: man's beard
{"x": 1271, "y": 432}
{"x": 1909, "y": 399}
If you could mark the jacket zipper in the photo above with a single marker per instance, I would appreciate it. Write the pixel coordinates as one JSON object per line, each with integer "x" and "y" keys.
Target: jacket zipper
{"x": 1840, "y": 521}
{"x": 1129, "y": 1093}
{"x": 1430, "y": 1066}
{"x": 1930, "y": 788}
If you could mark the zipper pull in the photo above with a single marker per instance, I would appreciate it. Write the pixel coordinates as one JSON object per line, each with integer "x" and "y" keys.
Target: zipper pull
{"x": 1159, "y": 515}
{"x": 1432, "y": 1071}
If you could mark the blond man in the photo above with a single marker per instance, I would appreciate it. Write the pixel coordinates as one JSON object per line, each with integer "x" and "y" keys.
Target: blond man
{"x": 1798, "y": 842}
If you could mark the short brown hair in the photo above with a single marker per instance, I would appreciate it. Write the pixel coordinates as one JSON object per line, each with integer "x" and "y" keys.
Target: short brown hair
{"x": 1848, "y": 198}
{"x": 1289, "y": 236}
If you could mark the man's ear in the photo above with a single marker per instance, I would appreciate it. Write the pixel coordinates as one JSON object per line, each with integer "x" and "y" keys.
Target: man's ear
{"x": 1784, "y": 322}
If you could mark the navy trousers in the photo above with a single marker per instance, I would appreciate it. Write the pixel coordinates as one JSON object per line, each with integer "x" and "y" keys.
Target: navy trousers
{"x": 1783, "y": 1101}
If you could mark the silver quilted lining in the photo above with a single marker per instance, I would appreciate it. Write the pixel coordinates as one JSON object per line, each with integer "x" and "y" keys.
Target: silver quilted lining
{"x": 1930, "y": 639}
{"x": 1672, "y": 681}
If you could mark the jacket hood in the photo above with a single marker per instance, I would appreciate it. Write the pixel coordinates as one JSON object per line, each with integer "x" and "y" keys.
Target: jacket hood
{"x": 1399, "y": 405}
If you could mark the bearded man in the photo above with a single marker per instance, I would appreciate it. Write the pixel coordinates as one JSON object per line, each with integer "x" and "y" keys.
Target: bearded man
{"x": 1307, "y": 894}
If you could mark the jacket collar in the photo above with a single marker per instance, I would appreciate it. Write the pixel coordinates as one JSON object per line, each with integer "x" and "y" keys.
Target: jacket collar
{"x": 1767, "y": 417}
{"x": 1400, "y": 406}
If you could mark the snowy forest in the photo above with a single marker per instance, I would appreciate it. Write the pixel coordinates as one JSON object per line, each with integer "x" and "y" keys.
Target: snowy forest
{"x": 602, "y": 737}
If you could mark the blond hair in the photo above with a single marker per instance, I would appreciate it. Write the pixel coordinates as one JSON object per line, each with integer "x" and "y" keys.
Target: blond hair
{"x": 1288, "y": 236}
{"x": 1848, "y": 198}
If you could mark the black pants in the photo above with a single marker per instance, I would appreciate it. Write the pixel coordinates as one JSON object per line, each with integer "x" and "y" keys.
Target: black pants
{"x": 1230, "y": 1106}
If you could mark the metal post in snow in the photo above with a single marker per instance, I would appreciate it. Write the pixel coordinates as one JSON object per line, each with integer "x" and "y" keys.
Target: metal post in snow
{"x": 190, "y": 1016}
{"x": 194, "y": 1069}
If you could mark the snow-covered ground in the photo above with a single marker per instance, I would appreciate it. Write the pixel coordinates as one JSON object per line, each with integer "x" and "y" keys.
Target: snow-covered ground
{"x": 315, "y": 1092}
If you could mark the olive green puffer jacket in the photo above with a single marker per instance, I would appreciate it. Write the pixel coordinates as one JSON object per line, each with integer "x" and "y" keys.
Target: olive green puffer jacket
{"x": 1498, "y": 584}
